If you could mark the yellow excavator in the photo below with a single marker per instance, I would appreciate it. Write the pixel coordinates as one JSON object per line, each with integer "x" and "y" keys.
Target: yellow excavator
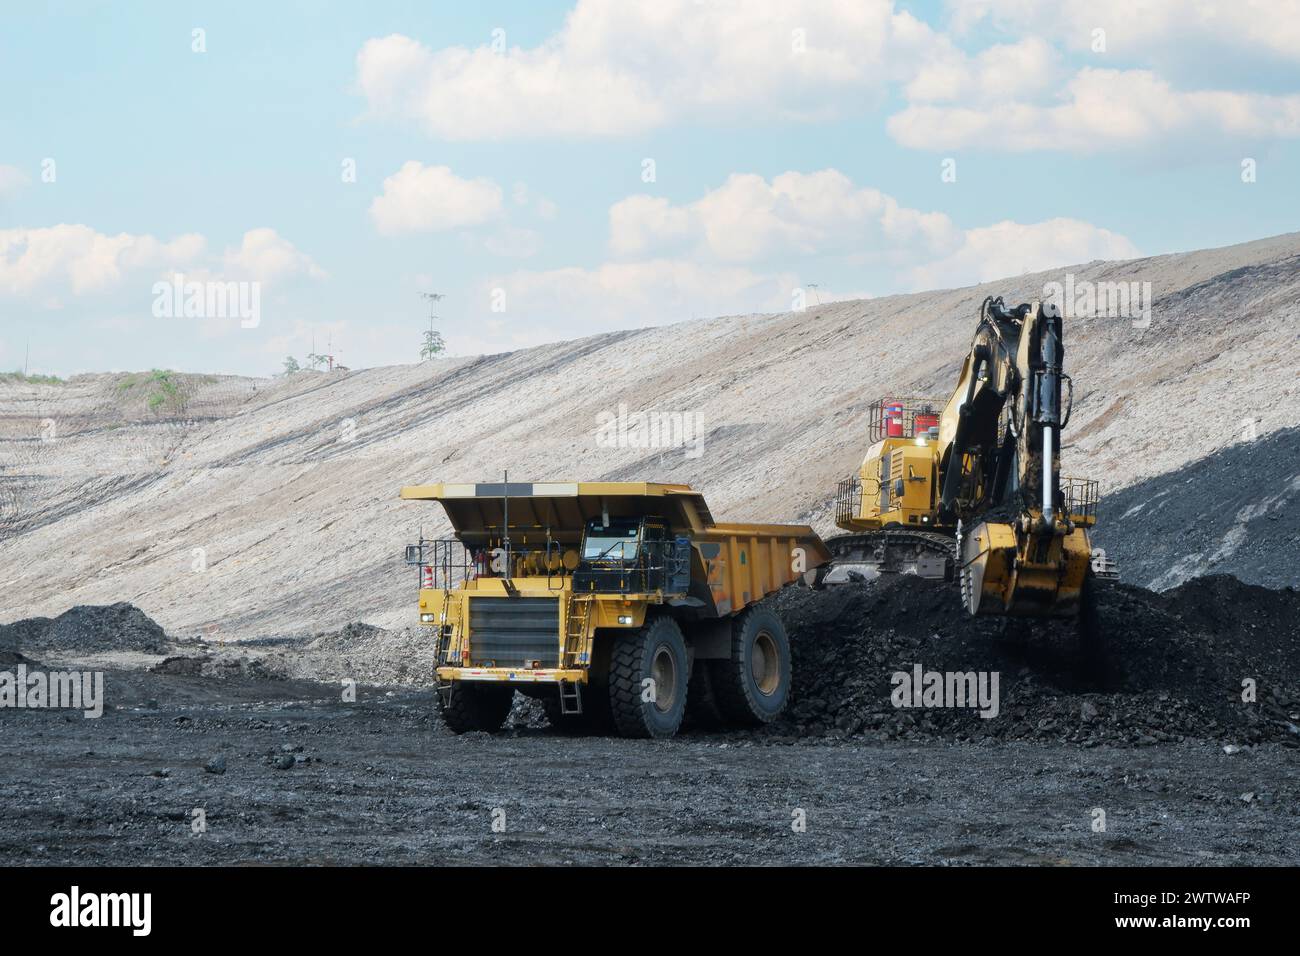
{"x": 971, "y": 489}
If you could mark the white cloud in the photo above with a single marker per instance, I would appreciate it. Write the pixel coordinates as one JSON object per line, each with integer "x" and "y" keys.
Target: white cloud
{"x": 543, "y": 208}
{"x": 265, "y": 256}
{"x": 1020, "y": 96}
{"x": 1149, "y": 28}
{"x": 1029, "y": 69}
{"x": 1011, "y": 248}
{"x": 50, "y": 262}
{"x": 564, "y": 302}
{"x": 624, "y": 68}
{"x": 12, "y": 180}
{"x": 1102, "y": 109}
{"x": 419, "y": 198}
{"x": 726, "y": 253}
{"x": 639, "y": 224}
{"x": 620, "y": 69}
{"x": 513, "y": 242}
{"x": 796, "y": 214}
{"x": 72, "y": 257}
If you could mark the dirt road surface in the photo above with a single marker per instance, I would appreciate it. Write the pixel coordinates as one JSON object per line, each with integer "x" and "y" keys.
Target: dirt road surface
{"x": 381, "y": 781}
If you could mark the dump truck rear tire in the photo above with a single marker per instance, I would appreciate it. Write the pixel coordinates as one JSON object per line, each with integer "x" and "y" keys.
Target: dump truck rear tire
{"x": 467, "y": 706}
{"x": 648, "y": 671}
{"x": 753, "y": 685}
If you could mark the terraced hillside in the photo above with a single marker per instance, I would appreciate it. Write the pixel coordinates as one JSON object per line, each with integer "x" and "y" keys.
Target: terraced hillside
{"x": 238, "y": 507}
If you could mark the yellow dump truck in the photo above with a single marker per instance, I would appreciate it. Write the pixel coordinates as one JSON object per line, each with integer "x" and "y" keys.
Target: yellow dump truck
{"x": 619, "y": 605}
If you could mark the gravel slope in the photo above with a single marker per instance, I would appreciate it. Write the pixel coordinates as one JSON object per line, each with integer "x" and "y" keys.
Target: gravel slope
{"x": 1234, "y": 512}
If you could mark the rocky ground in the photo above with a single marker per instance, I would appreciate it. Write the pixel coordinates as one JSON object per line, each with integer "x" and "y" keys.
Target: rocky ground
{"x": 286, "y": 772}
{"x": 1157, "y": 742}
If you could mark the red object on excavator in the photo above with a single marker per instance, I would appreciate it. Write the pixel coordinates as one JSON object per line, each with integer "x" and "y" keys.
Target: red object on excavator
{"x": 894, "y": 420}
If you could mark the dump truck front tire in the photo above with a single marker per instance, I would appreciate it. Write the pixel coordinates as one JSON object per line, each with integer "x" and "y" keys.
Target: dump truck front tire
{"x": 467, "y": 706}
{"x": 753, "y": 685}
{"x": 648, "y": 672}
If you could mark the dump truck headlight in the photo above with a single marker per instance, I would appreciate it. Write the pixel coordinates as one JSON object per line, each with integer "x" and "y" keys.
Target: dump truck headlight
{"x": 426, "y": 618}
{"x": 625, "y": 619}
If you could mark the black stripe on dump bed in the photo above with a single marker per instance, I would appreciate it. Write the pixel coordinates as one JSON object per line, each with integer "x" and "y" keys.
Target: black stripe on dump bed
{"x": 508, "y": 631}
{"x": 521, "y": 489}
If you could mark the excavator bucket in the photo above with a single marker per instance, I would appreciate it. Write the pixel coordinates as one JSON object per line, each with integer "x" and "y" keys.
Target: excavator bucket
{"x": 1034, "y": 574}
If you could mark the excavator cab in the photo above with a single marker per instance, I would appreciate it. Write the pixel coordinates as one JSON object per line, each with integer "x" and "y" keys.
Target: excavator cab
{"x": 889, "y": 506}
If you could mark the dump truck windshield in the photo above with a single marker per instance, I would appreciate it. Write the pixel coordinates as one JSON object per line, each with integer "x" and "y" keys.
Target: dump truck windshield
{"x": 615, "y": 543}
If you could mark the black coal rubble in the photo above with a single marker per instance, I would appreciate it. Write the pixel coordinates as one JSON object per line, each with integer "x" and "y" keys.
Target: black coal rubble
{"x": 1173, "y": 665}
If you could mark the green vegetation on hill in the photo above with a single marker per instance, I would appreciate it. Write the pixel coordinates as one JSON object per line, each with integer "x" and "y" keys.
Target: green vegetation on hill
{"x": 20, "y": 376}
{"x": 163, "y": 389}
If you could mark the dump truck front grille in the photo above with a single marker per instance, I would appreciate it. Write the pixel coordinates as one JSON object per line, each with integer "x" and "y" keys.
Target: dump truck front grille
{"x": 511, "y": 632}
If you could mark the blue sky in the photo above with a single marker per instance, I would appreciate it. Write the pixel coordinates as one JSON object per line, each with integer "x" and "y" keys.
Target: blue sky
{"x": 792, "y": 142}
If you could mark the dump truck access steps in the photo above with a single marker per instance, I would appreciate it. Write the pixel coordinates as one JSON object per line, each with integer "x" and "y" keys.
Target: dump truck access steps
{"x": 576, "y": 630}
{"x": 570, "y": 698}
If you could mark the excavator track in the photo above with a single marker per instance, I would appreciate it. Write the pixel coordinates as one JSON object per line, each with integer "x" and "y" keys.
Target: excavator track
{"x": 861, "y": 556}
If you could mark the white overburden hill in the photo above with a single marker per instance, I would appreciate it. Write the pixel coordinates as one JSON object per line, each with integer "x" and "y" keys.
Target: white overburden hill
{"x": 301, "y": 528}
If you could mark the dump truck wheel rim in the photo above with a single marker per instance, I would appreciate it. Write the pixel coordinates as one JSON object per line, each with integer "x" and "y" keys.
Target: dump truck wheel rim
{"x": 663, "y": 670}
{"x": 765, "y": 664}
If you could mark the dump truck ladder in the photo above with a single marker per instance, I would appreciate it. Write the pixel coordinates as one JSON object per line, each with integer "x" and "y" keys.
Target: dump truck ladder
{"x": 451, "y": 619}
{"x": 575, "y": 633}
{"x": 575, "y": 639}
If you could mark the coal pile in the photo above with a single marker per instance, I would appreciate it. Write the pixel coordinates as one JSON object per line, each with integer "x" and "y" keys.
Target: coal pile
{"x": 88, "y": 628}
{"x": 1171, "y": 667}
{"x": 1233, "y": 512}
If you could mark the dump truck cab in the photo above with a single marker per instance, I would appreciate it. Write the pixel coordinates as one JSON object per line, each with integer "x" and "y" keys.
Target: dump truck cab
{"x": 607, "y": 601}
{"x": 639, "y": 555}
